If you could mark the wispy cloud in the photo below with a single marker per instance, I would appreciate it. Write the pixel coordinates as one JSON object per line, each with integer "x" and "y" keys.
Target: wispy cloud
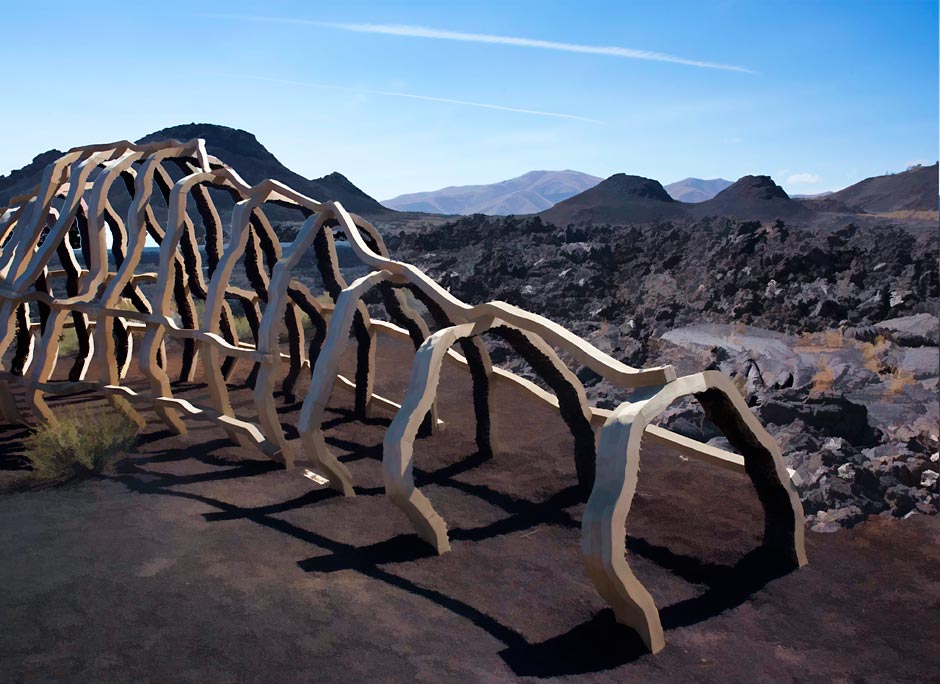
{"x": 444, "y": 34}
{"x": 427, "y": 98}
{"x": 803, "y": 179}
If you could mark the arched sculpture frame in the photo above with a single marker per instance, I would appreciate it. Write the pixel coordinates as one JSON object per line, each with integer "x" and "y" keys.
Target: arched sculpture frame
{"x": 36, "y": 227}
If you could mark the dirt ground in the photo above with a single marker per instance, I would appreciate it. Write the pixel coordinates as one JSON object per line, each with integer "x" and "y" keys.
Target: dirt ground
{"x": 193, "y": 560}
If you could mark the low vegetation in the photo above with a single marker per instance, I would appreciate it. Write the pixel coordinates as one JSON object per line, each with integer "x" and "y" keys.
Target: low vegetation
{"x": 898, "y": 381}
{"x": 823, "y": 379}
{"x": 77, "y": 444}
{"x": 875, "y": 354}
{"x": 68, "y": 342}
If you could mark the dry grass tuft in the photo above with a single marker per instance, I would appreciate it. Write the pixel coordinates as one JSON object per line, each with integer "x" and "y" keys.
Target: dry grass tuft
{"x": 899, "y": 381}
{"x": 823, "y": 379}
{"x": 828, "y": 340}
{"x": 833, "y": 339}
{"x": 874, "y": 354}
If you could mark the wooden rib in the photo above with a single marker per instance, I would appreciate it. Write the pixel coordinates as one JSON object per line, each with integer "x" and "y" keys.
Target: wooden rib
{"x": 684, "y": 445}
{"x": 604, "y": 519}
{"x": 616, "y": 372}
{"x": 139, "y": 222}
{"x": 268, "y": 337}
{"x": 398, "y": 445}
{"x": 324, "y": 374}
{"x": 422, "y": 388}
{"x": 325, "y": 250}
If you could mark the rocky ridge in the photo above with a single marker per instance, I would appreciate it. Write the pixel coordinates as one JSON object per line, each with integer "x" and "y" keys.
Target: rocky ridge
{"x": 831, "y": 335}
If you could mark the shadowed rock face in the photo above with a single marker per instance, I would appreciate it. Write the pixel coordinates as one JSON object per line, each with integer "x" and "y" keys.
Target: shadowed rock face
{"x": 623, "y": 185}
{"x": 755, "y": 187}
{"x": 22, "y": 181}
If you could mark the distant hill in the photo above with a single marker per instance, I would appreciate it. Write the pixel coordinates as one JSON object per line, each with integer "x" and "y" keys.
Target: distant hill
{"x": 693, "y": 190}
{"x": 235, "y": 147}
{"x": 753, "y": 197}
{"x": 22, "y": 181}
{"x": 913, "y": 190}
{"x": 527, "y": 194}
{"x": 618, "y": 199}
{"x": 241, "y": 150}
{"x": 817, "y": 195}
{"x": 623, "y": 199}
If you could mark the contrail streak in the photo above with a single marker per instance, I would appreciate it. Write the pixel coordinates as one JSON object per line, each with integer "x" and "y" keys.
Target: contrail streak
{"x": 428, "y": 98}
{"x": 444, "y": 34}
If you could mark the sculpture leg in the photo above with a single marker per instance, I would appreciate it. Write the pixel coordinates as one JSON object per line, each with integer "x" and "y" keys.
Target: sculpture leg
{"x": 398, "y": 446}
{"x": 603, "y": 527}
{"x": 603, "y": 530}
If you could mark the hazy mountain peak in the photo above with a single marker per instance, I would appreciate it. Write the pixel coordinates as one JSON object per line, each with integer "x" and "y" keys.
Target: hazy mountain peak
{"x": 529, "y": 193}
{"x": 696, "y": 189}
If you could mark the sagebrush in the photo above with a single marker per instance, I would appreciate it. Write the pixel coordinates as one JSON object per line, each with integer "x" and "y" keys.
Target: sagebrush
{"x": 77, "y": 444}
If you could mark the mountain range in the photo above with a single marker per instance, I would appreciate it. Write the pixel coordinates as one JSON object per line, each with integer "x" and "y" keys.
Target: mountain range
{"x": 644, "y": 200}
{"x": 529, "y": 193}
{"x": 558, "y": 197}
{"x": 623, "y": 199}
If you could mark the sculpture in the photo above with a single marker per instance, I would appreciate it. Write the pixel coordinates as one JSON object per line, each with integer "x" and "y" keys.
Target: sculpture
{"x": 74, "y": 196}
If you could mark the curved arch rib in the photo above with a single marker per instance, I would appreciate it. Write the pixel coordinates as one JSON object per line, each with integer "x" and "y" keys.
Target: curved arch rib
{"x": 398, "y": 446}
{"x": 604, "y": 522}
{"x": 325, "y": 373}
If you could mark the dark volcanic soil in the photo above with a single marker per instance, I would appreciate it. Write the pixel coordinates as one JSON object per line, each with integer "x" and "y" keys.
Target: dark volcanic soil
{"x": 197, "y": 561}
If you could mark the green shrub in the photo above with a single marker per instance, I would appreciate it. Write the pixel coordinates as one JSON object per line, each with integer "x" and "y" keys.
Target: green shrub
{"x": 77, "y": 444}
{"x": 68, "y": 342}
{"x": 243, "y": 329}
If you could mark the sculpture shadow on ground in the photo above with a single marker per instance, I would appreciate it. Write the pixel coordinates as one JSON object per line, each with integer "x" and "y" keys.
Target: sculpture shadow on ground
{"x": 596, "y": 645}
{"x": 11, "y": 449}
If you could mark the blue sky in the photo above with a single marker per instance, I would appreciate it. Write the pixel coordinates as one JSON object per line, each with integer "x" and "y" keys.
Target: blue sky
{"x": 817, "y": 94}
